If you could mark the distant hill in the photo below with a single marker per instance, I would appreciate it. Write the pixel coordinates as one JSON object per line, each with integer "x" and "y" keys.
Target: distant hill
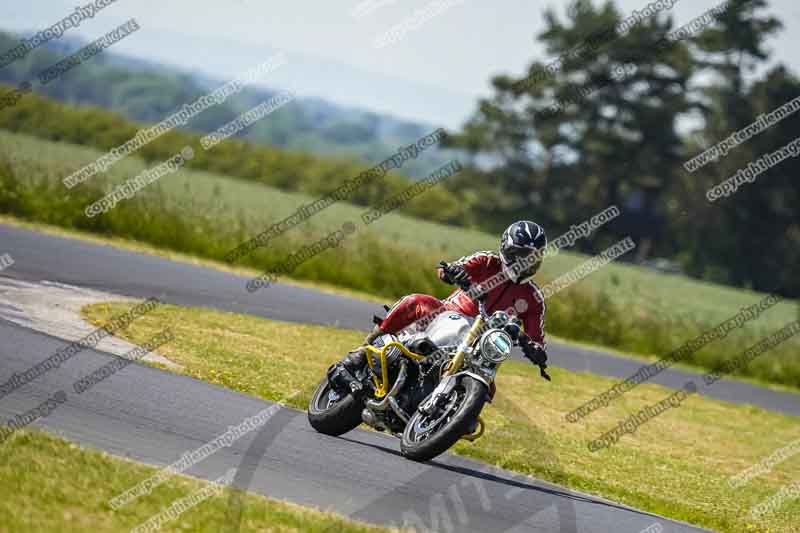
{"x": 147, "y": 91}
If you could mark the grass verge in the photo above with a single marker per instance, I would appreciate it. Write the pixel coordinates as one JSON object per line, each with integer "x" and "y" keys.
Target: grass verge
{"x": 205, "y": 215}
{"x": 49, "y": 484}
{"x": 676, "y": 465}
{"x": 144, "y": 248}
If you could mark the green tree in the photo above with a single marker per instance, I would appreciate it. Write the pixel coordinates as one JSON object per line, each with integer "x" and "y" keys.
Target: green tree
{"x": 599, "y": 130}
{"x": 759, "y": 222}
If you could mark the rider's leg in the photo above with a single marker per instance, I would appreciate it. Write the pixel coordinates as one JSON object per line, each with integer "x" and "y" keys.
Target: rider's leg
{"x": 412, "y": 308}
{"x": 404, "y": 313}
{"x": 357, "y": 358}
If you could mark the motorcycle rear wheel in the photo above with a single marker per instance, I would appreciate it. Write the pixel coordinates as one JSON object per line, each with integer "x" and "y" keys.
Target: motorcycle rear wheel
{"x": 333, "y": 416}
{"x": 426, "y": 437}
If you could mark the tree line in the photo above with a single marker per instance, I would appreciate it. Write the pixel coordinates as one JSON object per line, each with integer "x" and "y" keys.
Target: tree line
{"x": 617, "y": 123}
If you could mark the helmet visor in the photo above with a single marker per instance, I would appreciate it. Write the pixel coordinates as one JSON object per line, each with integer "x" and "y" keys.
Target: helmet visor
{"x": 512, "y": 254}
{"x": 520, "y": 263}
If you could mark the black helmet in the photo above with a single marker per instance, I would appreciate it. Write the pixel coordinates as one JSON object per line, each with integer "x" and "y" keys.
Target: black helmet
{"x": 519, "y": 241}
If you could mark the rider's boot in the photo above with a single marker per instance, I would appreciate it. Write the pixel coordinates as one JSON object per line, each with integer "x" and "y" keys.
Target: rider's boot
{"x": 357, "y": 358}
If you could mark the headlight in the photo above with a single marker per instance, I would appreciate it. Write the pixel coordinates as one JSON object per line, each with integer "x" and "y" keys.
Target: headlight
{"x": 495, "y": 346}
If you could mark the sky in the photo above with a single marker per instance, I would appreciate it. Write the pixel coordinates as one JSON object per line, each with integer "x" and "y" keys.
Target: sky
{"x": 434, "y": 73}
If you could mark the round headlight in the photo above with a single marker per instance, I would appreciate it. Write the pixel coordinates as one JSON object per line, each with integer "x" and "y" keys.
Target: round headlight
{"x": 496, "y": 346}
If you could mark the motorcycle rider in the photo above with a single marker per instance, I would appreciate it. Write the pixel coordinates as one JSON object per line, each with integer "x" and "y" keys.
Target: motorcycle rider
{"x": 517, "y": 294}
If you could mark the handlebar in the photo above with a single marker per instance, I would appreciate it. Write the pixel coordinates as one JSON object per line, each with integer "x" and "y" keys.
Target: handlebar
{"x": 481, "y": 300}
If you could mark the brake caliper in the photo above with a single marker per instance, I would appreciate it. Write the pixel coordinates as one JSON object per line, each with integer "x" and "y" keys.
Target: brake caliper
{"x": 438, "y": 396}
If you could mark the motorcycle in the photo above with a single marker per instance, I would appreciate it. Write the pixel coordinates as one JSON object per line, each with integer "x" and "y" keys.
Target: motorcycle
{"x": 427, "y": 388}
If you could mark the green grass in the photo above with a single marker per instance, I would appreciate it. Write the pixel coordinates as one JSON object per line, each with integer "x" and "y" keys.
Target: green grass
{"x": 289, "y": 169}
{"x": 49, "y": 484}
{"x": 203, "y": 215}
{"x": 676, "y": 465}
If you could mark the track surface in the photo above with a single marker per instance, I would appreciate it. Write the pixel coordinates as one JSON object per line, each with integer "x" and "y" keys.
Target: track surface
{"x": 155, "y": 417}
{"x": 44, "y": 257}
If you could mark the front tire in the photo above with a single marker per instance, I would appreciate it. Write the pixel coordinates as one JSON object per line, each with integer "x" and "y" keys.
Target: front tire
{"x": 331, "y": 415}
{"x": 446, "y": 427}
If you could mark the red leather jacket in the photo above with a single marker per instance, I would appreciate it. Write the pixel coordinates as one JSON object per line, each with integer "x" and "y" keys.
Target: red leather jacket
{"x": 524, "y": 300}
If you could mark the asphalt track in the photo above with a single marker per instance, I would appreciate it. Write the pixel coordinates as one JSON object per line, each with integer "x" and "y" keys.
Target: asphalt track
{"x": 45, "y": 257}
{"x": 155, "y": 416}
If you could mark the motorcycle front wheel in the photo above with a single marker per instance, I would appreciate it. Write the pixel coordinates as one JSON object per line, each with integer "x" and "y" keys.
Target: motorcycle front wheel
{"x": 331, "y": 413}
{"x": 427, "y": 436}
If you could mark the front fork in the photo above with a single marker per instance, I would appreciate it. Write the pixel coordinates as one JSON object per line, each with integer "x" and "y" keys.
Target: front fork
{"x": 458, "y": 361}
{"x": 449, "y": 379}
{"x": 339, "y": 373}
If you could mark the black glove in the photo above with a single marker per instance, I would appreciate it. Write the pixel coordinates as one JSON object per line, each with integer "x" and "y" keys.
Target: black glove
{"x": 533, "y": 351}
{"x": 536, "y": 354}
{"x": 455, "y": 275}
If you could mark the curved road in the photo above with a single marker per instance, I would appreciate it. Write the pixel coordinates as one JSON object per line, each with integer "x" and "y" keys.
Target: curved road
{"x": 44, "y": 257}
{"x": 155, "y": 416}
